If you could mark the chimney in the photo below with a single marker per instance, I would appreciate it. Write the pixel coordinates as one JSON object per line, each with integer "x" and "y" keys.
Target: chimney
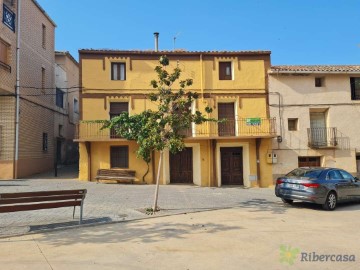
{"x": 156, "y": 36}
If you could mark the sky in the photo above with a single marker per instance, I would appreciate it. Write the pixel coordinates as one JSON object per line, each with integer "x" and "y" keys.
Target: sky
{"x": 306, "y": 32}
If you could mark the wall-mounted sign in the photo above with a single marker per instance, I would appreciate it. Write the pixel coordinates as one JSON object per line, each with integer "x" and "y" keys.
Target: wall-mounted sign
{"x": 8, "y": 17}
{"x": 253, "y": 121}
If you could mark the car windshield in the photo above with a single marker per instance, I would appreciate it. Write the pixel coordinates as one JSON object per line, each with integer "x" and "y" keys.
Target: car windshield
{"x": 309, "y": 173}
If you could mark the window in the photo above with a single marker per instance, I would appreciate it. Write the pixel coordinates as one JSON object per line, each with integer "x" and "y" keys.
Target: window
{"x": 4, "y": 55}
{"x": 45, "y": 142}
{"x": 118, "y": 71}
{"x": 346, "y": 175}
{"x": 319, "y": 82}
{"x": 59, "y": 98}
{"x": 355, "y": 88}
{"x": 76, "y": 106}
{"x": 225, "y": 71}
{"x": 8, "y": 17}
{"x": 44, "y": 36}
{"x": 119, "y": 157}
{"x": 60, "y": 130}
{"x": 334, "y": 175}
{"x": 43, "y": 80}
{"x": 292, "y": 124}
{"x": 309, "y": 161}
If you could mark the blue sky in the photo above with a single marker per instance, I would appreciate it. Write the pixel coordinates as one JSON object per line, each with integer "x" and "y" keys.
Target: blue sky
{"x": 297, "y": 32}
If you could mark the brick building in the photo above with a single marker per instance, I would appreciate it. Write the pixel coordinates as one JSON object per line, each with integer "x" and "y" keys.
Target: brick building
{"x": 38, "y": 129}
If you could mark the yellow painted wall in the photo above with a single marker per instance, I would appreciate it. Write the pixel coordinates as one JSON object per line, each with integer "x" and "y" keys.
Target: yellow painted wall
{"x": 249, "y": 78}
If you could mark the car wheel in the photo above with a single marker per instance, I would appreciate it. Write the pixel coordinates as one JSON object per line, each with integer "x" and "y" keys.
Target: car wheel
{"x": 287, "y": 201}
{"x": 331, "y": 201}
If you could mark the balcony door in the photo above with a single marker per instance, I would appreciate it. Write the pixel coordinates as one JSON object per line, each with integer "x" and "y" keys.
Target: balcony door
{"x": 226, "y": 111}
{"x": 318, "y": 128}
{"x": 116, "y": 108}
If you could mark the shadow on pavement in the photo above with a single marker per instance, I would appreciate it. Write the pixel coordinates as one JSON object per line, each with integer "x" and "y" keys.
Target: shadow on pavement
{"x": 132, "y": 231}
{"x": 52, "y": 226}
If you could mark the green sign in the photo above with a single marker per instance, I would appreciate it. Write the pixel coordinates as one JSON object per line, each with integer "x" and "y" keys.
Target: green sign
{"x": 253, "y": 121}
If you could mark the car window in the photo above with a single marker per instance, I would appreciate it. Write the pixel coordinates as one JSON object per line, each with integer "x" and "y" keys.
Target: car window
{"x": 305, "y": 173}
{"x": 347, "y": 175}
{"x": 334, "y": 175}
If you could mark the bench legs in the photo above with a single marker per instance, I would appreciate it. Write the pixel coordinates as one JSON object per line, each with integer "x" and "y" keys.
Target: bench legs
{"x": 81, "y": 212}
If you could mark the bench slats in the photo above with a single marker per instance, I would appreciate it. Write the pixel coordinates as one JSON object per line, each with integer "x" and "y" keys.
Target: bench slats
{"x": 41, "y": 199}
{"x": 27, "y": 207}
{"x": 41, "y": 193}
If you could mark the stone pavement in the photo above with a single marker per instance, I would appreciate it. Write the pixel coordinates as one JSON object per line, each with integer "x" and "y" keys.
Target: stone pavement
{"x": 113, "y": 202}
{"x": 238, "y": 238}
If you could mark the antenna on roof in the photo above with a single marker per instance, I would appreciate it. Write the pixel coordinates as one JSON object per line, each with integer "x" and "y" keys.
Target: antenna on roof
{"x": 178, "y": 34}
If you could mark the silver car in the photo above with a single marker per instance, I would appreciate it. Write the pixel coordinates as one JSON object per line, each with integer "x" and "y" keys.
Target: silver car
{"x": 325, "y": 186}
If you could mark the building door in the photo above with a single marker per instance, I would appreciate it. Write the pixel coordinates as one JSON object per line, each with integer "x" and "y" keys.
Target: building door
{"x": 358, "y": 164}
{"x": 226, "y": 111}
{"x": 231, "y": 165}
{"x": 116, "y": 108}
{"x": 309, "y": 161}
{"x": 181, "y": 167}
{"x": 318, "y": 129}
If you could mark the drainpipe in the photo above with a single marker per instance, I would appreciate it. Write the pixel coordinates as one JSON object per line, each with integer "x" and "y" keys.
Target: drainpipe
{"x": 17, "y": 91}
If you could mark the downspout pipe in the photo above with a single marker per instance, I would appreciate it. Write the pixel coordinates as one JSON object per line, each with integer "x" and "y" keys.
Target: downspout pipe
{"x": 17, "y": 90}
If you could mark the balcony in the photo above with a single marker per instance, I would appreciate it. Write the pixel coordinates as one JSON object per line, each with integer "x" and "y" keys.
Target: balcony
{"x": 241, "y": 128}
{"x": 322, "y": 137}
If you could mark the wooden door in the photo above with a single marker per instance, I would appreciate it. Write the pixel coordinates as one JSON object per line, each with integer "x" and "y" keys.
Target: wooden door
{"x": 231, "y": 166}
{"x": 226, "y": 111}
{"x": 116, "y": 108}
{"x": 181, "y": 167}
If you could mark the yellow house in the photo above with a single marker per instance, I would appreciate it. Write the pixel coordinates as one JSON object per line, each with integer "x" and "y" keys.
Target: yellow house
{"x": 234, "y": 84}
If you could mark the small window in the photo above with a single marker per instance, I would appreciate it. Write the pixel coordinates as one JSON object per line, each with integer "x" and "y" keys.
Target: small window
{"x": 60, "y": 130}
{"x": 59, "y": 98}
{"x": 4, "y": 55}
{"x": 225, "y": 71}
{"x": 118, "y": 71}
{"x": 43, "y": 80}
{"x": 355, "y": 88}
{"x": 346, "y": 175}
{"x": 292, "y": 124}
{"x": 119, "y": 157}
{"x": 76, "y": 106}
{"x": 319, "y": 82}
{"x": 45, "y": 142}
{"x": 334, "y": 175}
{"x": 44, "y": 36}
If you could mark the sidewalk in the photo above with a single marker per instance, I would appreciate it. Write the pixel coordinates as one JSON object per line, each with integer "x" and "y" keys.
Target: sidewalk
{"x": 239, "y": 238}
{"x": 112, "y": 202}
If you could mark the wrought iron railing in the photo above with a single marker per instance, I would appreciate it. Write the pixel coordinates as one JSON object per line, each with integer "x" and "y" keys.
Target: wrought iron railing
{"x": 322, "y": 137}
{"x": 245, "y": 127}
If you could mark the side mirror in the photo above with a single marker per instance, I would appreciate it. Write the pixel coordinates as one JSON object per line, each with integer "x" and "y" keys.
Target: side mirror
{"x": 356, "y": 179}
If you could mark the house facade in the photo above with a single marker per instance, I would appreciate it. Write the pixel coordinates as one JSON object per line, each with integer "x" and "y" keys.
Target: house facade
{"x": 67, "y": 101}
{"x": 234, "y": 84}
{"x": 317, "y": 108}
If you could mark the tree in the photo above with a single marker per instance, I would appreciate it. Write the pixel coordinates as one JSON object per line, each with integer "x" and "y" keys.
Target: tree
{"x": 161, "y": 129}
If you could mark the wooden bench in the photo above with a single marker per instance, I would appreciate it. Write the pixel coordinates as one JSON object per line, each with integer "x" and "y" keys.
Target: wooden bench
{"x": 28, "y": 201}
{"x": 118, "y": 175}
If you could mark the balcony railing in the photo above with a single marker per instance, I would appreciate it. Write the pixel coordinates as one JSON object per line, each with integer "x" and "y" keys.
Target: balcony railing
{"x": 322, "y": 137}
{"x": 246, "y": 127}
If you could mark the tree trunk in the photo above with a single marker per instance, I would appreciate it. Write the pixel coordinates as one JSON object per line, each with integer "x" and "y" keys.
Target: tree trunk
{"x": 157, "y": 183}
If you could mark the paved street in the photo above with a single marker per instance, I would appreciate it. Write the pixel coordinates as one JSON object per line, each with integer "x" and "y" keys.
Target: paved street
{"x": 113, "y": 202}
{"x": 237, "y": 238}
